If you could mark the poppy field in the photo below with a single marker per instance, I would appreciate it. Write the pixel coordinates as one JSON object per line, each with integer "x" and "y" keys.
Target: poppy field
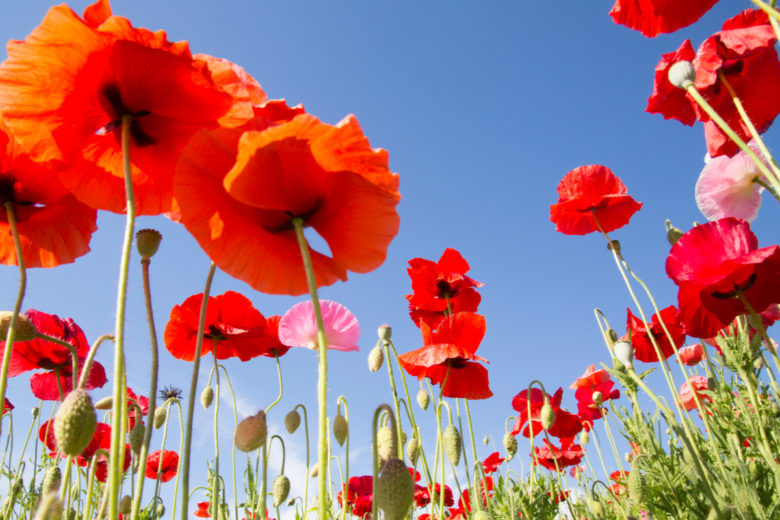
{"x": 677, "y": 417}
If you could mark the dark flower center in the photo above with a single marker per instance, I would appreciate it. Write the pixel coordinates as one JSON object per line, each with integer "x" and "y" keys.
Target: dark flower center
{"x": 738, "y": 289}
{"x": 116, "y": 107}
{"x": 457, "y": 362}
{"x": 9, "y": 191}
{"x": 214, "y": 333}
{"x": 445, "y": 290}
{"x": 48, "y": 364}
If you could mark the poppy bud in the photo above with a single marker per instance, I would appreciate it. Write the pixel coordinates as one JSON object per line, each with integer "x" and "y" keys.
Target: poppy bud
{"x": 160, "y": 509}
{"x": 637, "y": 485}
{"x": 423, "y": 399}
{"x": 17, "y": 486}
{"x": 49, "y": 508}
{"x": 137, "y": 437}
{"x": 597, "y": 398}
{"x": 292, "y": 420}
{"x": 281, "y": 489}
{"x": 375, "y": 358}
{"x": 485, "y": 440}
{"x": 548, "y": 415}
{"x": 758, "y": 363}
{"x": 510, "y": 445}
{"x": 394, "y": 490}
{"x": 613, "y": 337}
{"x": 105, "y": 404}
{"x": 25, "y": 329}
{"x": 385, "y": 447}
{"x": 481, "y": 515}
{"x": 624, "y": 352}
{"x": 673, "y": 234}
{"x": 452, "y": 444}
{"x": 618, "y": 365}
{"x": 614, "y": 245}
{"x": 51, "y": 481}
{"x": 315, "y": 470}
{"x": 682, "y": 74}
{"x": 596, "y": 508}
{"x": 340, "y": 429}
{"x": 413, "y": 450}
{"x": 160, "y": 414}
{"x": 35, "y": 411}
{"x": 251, "y": 432}
{"x": 207, "y": 397}
{"x": 584, "y": 437}
{"x": 147, "y": 241}
{"x": 75, "y": 423}
{"x": 125, "y": 505}
{"x": 384, "y": 332}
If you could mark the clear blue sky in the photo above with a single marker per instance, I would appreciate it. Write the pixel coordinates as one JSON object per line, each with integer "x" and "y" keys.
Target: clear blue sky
{"x": 483, "y": 107}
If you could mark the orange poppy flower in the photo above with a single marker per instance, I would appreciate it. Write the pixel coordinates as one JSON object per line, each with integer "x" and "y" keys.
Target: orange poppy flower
{"x": 296, "y": 167}
{"x": 65, "y": 88}
{"x": 54, "y": 228}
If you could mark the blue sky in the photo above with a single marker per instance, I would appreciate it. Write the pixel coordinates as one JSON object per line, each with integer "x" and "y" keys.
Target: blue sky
{"x": 483, "y": 107}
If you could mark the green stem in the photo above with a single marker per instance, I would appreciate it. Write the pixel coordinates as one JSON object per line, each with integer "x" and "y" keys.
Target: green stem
{"x": 281, "y": 386}
{"x": 9, "y": 339}
{"x": 375, "y": 451}
{"x": 768, "y": 9}
{"x": 215, "y": 485}
{"x": 91, "y": 356}
{"x": 306, "y": 481}
{"x": 322, "y": 392}
{"x": 185, "y": 464}
{"x": 400, "y": 451}
{"x": 181, "y": 450}
{"x": 118, "y": 431}
{"x": 160, "y": 462}
{"x": 345, "y": 477}
{"x": 233, "y": 452}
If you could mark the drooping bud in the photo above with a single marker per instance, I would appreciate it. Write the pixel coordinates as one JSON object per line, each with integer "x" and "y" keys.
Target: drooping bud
{"x": 292, "y": 420}
{"x": 394, "y": 490}
{"x": 105, "y": 404}
{"x": 682, "y": 74}
{"x": 137, "y": 437}
{"x": 385, "y": 447}
{"x": 637, "y": 485}
{"x": 340, "y": 428}
{"x": 613, "y": 337}
{"x": 207, "y": 397}
{"x": 510, "y": 445}
{"x": 624, "y": 352}
{"x": 147, "y": 241}
{"x": 160, "y": 508}
{"x": 315, "y": 470}
{"x": 597, "y": 398}
{"x": 35, "y": 411}
{"x": 413, "y": 450}
{"x": 25, "y": 329}
{"x": 584, "y": 437}
{"x": 251, "y": 432}
{"x": 423, "y": 399}
{"x": 281, "y": 489}
{"x": 160, "y": 414}
{"x": 75, "y": 423}
{"x": 452, "y": 444}
{"x": 126, "y": 504}
{"x": 547, "y": 415}
{"x": 384, "y": 332}
{"x": 673, "y": 234}
{"x": 49, "y": 508}
{"x": 375, "y": 358}
{"x": 596, "y": 508}
{"x": 485, "y": 440}
{"x": 51, "y": 481}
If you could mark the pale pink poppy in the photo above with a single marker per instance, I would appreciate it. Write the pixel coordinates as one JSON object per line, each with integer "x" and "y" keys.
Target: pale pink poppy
{"x": 692, "y": 355}
{"x": 726, "y": 187}
{"x": 298, "y": 326}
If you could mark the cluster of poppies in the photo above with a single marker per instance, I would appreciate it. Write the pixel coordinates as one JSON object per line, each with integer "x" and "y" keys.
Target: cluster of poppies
{"x": 206, "y": 147}
{"x": 443, "y": 305}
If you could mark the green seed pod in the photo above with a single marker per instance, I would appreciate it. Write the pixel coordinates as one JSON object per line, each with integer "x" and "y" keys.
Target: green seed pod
{"x": 49, "y": 508}
{"x": 394, "y": 490}
{"x": 682, "y": 74}
{"x": 147, "y": 241}
{"x": 597, "y": 398}
{"x": 340, "y": 429}
{"x": 35, "y": 411}
{"x": 452, "y": 444}
{"x": 207, "y": 397}
{"x": 137, "y": 437}
{"x": 25, "y": 329}
{"x": 75, "y": 423}
{"x": 281, "y": 489}
{"x": 413, "y": 450}
{"x": 375, "y": 358}
{"x": 51, "y": 481}
{"x": 384, "y": 332}
{"x": 251, "y": 432}
{"x": 292, "y": 420}
{"x": 423, "y": 399}
{"x": 125, "y": 504}
{"x": 548, "y": 416}
{"x": 385, "y": 446}
{"x": 510, "y": 445}
{"x": 105, "y": 404}
{"x": 160, "y": 415}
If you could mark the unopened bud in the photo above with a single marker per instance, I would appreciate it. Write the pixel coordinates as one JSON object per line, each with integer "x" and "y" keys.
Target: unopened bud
{"x": 137, "y": 437}
{"x": 281, "y": 489}
{"x": 613, "y": 337}
{"x": 547, "y": 415}
{"x": 292, "y": 420}
{"x": 125, "y": 505}
{"x": 452, "y": 444}
{"x": 251, "y": 432}
{"x": 413, "y": 450}
{"x": 614, "y": 245}
{"x": 49, "y": 508}
{"x": 597, "y": 398}
{"x": 385, "y": 447}
{"x": 423, "y": 399}
{"x": 25, "y": 329}
{"x": 35, "y": 411}
{"x": 315, "y": 470}
{"x": 485, "y": 440}
{"x": 624, "y": 352}
{"x": 394, "y": 490}
{"x": 147, "y": 241}
{"x": 584, "y": 437}
{"x": 596, "y": 508}
{"x": 340, "y": 429}
{"x": 207, "y": 397}
{"x": 510, "y": 445}
{"x": 75, "y": 423}
{"x": 375, "y": 358}
{"x": 673, "y": 234}
{"x": 105, "y": 404}
{"x": 51, "y": 481}
{"x": 160, "y": 508}
{"x": 682, "y": 74}
{"x": 384, "y": 332}
{"x": 160, "y": 415}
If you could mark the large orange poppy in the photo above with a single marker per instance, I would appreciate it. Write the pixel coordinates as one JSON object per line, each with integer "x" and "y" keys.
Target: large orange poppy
{"x": 65, "y": 88}
{"x": 54, "y": 228}
{"x": 239, "y": 203}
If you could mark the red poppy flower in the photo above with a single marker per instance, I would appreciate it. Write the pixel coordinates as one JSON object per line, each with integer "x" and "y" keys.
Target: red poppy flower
{"x": 448, "y": 357}
{"x": 441, "y": 288}
{"x": 169, "y": 468}
{"x": 139, "y": 400}
{"x": 422, "y": 495}
{"x": 54, "y": 228}
{"x": 44, "y": 385}
{"x": 272, "y": 345}
{"x": 640, "y": 336}
{"x": 744, "y": 53}
{"x": 692, "y": 355}
{"x": 492, "y": 462}
{"x": 588, "y": 193}
{"x": 699, "y": 385}
{"x": 7, "y": 406}
{"x": 360, "y": 495}
{"x": 620, "y": 479}
{"x": 566, "y": 424}
{"x": 66, "y": 87}
{"x": 464, "y": 503}
{"x": 569, "y": 454}
{"x": 203, "y": 511}
{"x": 714, "y": 264}
{"x": 233, "y": 326}
{"x": 593, "y": 381}
{"x": 652, "y": 17}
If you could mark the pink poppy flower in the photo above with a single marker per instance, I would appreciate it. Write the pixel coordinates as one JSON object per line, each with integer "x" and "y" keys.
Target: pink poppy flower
{"x": 699, "y": 384}
{"x": 692, "y": 355}
{"x": 727, "y": 187}
{"x": 298, "y": 326}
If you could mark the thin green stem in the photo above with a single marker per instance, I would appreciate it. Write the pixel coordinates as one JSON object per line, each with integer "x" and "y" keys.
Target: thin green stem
{"x": 233, "y": 452}
{"x": 375, "y": 452}
{"x": 281, "y": 386}
{"x": 215, "y": 485}
{"x": 167, "y": 404}
{"x": 185, "y": 464}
